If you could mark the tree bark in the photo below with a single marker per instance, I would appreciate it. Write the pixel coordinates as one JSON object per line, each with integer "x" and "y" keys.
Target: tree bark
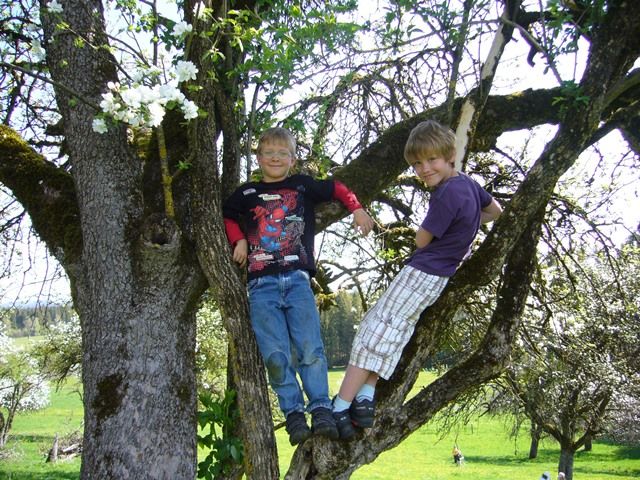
{"x": 565, "y": 465}
{"x": 536, "y": 432}
{"x": 208, "y": 188}
{"x": 52, "y": 457}
{"x": 135, "y": 282}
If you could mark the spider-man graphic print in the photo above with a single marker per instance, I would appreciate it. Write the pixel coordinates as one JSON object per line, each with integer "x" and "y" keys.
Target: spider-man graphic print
{"x": 278, "y": 221}
{"x": 280, "y": 225}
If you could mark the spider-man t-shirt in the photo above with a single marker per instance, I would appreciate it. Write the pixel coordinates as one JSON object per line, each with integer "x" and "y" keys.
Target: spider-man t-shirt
{"x": 278, "y": 220}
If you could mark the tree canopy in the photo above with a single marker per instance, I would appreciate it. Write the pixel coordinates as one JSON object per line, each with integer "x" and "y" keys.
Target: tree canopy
{"x": 125, "y": 124}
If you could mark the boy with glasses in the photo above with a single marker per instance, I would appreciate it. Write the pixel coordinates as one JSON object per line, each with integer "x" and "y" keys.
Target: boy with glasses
{"x": 277, "y": 215}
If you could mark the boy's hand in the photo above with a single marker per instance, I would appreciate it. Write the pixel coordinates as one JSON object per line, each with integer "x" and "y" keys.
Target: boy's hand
{"x": 363, "y": 221}
{"x": 240, "y": 252}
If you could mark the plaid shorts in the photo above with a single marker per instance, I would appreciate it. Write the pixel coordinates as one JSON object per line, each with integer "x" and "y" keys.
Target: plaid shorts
{"x": 387, "y": 327}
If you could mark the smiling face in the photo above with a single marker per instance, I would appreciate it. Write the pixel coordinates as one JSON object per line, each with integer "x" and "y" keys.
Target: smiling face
{"x": 433, "y": 169}
{"x": 431, "y": 152}
{"x": 275, "y": 160}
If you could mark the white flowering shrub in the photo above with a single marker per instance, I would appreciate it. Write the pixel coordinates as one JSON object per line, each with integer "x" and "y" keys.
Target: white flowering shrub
{"x": 59, "y": 354}
{"x": 6, "y": 345}
{"x": 211, "y": 350}
{"x": 22, "y": 388}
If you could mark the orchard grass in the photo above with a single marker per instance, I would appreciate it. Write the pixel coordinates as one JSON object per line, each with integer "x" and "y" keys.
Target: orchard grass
{"x": 32, "y": 434}
{"x": 26, "y": 342}
{"x": 489, "y": 453}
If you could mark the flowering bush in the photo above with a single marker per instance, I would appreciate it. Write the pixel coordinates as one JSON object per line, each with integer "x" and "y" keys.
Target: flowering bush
{"x": 22, "y": 388}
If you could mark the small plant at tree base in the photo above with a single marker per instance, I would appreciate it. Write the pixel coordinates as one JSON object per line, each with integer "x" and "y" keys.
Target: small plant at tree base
{"x": 225, "y": 448}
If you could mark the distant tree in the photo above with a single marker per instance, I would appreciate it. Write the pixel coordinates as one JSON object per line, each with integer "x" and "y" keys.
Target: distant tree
{"x": 338, "y": 327}
{"x": 22, "y": 388}
{"x": 580, "y": 353}
{"x": 211, "y": 350}
{"x": 59, "y": 353}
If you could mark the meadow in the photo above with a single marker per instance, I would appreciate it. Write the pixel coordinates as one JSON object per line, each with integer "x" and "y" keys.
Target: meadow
{"x": 489, "y": 452}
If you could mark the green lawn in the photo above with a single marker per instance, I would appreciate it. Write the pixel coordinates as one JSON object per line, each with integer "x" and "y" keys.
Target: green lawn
{"x": 26, "y": 342}
{"x": 32, "y": 435}
{"x": 489, "y": 453}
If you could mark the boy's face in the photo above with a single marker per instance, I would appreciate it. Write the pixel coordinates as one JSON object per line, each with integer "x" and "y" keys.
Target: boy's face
{"x": 275, "y": 160}
{"x": 433, "y": 169}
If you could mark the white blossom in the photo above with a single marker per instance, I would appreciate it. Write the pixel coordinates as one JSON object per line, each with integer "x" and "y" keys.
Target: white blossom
{"x": 99, "y": 125}
{"x": 181, "y": 28}
{"x": 199, "y": 9}
{"x": 131, "y": 97}
{"x": 142, "y": 106}
{"x": 37, "y": 51}
{"x": 190, "y": 110}
{"x": 6, "y": 344}
{"x": 186, "y": 70}
{"x": 156, "y": 114}
{"x": 171, "y": 93}
{"x": 54, "y": 7}
{"x": 109, "y": 103}
{"x": 148, "y": 94}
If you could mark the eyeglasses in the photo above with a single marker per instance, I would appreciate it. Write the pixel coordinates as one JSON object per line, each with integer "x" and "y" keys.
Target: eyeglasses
{"x": 280, "y": 154}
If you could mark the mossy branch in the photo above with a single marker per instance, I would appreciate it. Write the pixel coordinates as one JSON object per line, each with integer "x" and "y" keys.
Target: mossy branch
{"x": 166, "y": 175}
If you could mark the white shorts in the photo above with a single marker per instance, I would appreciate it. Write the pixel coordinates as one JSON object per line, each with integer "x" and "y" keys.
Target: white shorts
{"x": 387, "y": 327}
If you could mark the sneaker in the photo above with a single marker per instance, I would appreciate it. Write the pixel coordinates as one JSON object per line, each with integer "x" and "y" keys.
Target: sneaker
{"x": 297, "y": 428}
{"x": 344, "y": 424}
{"x": 362, "y": 412}
{"x": 322, "y": 423}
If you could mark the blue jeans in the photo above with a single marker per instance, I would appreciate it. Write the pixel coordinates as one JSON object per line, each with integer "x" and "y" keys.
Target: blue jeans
{"x": 286, "y": 322}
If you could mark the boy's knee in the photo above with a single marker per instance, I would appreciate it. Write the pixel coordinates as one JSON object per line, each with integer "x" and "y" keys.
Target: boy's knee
{"x": 277, "y": 366}
{"x": 311, "y": 355}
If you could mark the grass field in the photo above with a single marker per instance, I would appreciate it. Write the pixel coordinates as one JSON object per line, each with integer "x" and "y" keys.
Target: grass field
{"x": 489, "y": 453}
{"x": 31, "y": 437}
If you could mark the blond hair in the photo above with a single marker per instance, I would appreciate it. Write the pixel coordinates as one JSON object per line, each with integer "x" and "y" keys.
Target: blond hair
{"x": 430, "y": 138}
{"x": 278, "y": 135}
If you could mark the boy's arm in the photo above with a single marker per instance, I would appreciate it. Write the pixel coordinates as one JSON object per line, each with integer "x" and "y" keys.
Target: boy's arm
{"x": 237, "y": 240}
{"x": 490, "y": 212}
{"x": 423, "y": 237}
{"x": 360, "y": 217}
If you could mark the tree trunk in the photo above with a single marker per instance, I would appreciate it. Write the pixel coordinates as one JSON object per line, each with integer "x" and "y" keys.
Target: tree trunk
{"x": 3, "y": 431}
{"x": 135, "y": 281}
{"x": 140, "y": 389}
{"x": 566, "y": 461}
{"x": 588, "y": 443}
{"x": 52, "y": 457}
{"x": 536, "y": 432}
{"x": 6, "y": 423}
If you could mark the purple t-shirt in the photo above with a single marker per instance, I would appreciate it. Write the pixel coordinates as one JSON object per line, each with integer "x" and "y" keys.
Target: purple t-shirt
{"x": 453, "y": 219}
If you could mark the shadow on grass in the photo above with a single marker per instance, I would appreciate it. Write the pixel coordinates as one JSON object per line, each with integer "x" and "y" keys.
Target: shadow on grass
{"x": 21, "y": 438}
{"x": 626, "y": 473}
{"x": 503, "y": 461}
{"x": 38, "y": 475}
{"x": 632, "y": 452}
{"x": 547, "y": 456}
